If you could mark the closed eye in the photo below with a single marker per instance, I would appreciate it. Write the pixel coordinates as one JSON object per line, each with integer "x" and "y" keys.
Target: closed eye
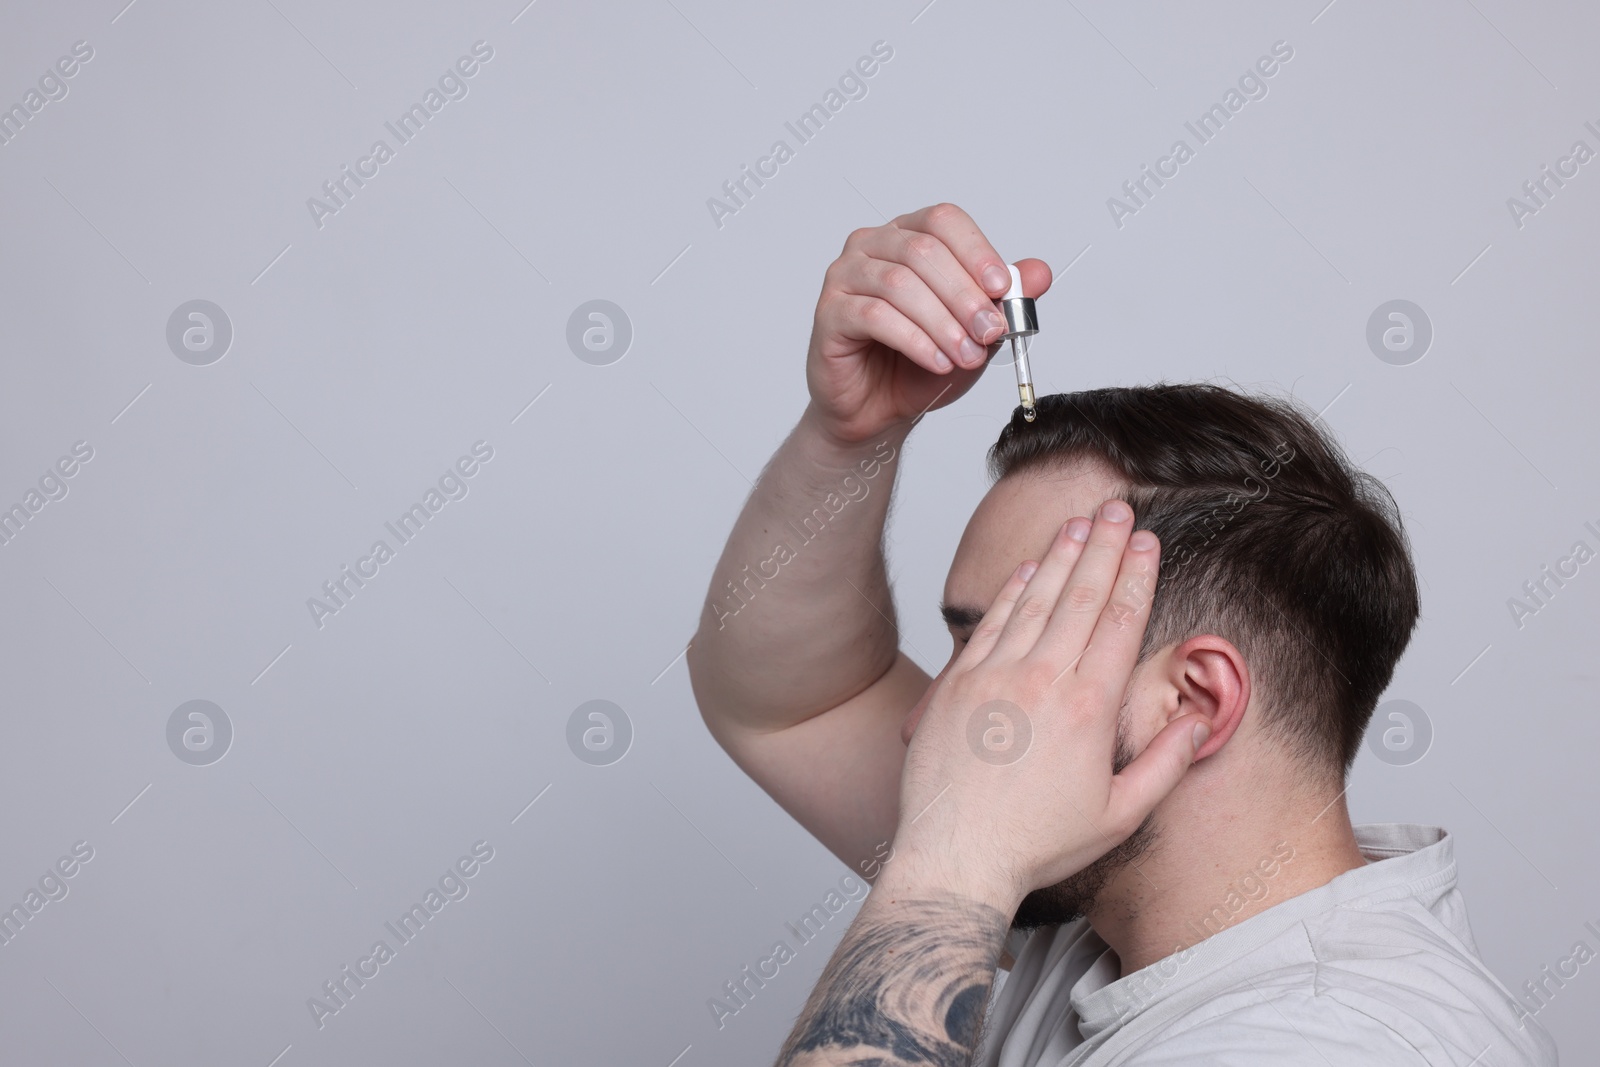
{"x": 961, "y": 619}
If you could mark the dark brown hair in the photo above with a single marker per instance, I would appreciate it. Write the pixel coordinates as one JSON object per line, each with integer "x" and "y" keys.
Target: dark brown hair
{"x": 1270, "y": 538}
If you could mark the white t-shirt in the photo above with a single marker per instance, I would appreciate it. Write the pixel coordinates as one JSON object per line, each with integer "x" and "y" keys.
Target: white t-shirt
{"x": 1376, "y": 968}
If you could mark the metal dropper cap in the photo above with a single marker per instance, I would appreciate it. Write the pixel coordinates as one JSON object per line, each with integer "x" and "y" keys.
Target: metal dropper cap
{"x": 1021, "y": 318}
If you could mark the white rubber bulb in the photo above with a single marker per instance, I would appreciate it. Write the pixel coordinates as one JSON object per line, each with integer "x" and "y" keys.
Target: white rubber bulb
{"x": 1015, "y": 292}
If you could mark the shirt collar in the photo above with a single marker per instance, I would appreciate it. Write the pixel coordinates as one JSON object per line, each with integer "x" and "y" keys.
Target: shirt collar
{"x": 1415, "y": 859}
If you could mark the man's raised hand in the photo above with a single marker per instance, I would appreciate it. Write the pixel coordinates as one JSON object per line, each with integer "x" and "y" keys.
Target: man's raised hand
{"x": 906, "y": 320}
{"x": 1055, "y": 653}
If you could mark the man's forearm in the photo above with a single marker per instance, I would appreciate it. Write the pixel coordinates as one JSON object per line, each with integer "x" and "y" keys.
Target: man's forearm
{"x": 799, "y": 616}
{"x": 909, "y": 983}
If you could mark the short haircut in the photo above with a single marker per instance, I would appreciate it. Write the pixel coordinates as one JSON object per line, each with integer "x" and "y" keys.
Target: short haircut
{"x": 1270, "y": 538}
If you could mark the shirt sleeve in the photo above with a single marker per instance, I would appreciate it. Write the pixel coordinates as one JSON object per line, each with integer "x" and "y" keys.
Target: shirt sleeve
{"x": 1284, "y": 1032}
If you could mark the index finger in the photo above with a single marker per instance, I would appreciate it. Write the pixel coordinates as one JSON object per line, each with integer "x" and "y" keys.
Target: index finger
{"x": 973, "y": 251}
{"x": 994, "y": 621}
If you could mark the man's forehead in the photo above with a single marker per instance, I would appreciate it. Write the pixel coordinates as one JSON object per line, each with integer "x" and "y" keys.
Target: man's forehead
{"x": 1016, "y": 520}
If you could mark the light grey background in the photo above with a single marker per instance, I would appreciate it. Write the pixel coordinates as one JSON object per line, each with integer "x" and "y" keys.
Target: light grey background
{"x": 427, "y": 314}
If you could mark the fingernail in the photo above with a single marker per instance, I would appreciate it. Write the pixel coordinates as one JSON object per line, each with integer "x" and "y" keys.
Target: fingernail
{"x": 1202, "y": 733}
{"x": 988, "y": 325}
{"x": 971, "y": 352}
{"x": 1078, "y": 529}
{"x": 941, "y": 361}
{"x": 996, "y": 279}
{"x": 1115, "y": 511}
{"x": 1142, "y": 541}
{"x": 1026, "y": 570}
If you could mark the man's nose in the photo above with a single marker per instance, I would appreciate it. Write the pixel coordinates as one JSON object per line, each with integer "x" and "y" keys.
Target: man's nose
{"x": 914, "y": 716}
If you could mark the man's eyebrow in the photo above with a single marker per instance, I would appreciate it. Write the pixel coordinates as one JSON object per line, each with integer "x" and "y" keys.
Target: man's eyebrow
{"x": 960, "y": 616}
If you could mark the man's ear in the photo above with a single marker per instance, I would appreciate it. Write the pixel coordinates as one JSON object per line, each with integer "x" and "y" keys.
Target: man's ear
{"x": 1210, "y": 677}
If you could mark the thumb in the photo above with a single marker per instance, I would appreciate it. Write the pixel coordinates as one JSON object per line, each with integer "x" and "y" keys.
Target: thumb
{"x": 1146, "y": 781}
{"x": 1036, "y": 276}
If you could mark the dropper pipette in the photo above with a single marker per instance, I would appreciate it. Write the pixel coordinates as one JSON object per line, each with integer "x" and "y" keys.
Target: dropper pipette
{"x": 1022, "y": 322}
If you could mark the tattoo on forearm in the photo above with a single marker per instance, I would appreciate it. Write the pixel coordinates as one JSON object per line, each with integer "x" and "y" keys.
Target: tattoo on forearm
{"x": 908, "y": 985}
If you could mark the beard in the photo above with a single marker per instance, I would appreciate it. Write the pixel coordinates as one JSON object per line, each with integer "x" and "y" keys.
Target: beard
{"x": 1072, "y": 897}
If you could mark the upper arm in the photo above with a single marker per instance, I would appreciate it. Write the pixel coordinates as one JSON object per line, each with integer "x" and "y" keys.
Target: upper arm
{"x": 838, "y": 772}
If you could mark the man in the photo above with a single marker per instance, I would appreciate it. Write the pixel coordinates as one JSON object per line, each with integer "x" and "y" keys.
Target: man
{"x": 1173, "y": 614}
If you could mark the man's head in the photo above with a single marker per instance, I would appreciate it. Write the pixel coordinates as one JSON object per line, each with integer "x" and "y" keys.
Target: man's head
{"x": 1286, "y": 583}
